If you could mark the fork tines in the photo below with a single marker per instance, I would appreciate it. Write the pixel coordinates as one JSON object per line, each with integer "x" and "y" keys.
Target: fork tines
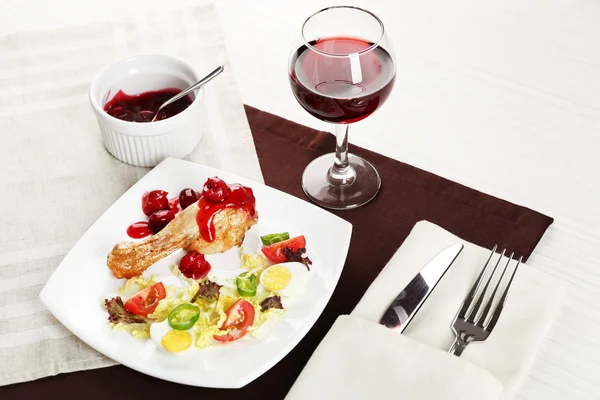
{"x": 471, "y": 309}
{"x": 480, "y": 312}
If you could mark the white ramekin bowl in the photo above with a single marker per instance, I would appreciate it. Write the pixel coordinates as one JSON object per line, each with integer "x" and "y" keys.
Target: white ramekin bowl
{"x": 146, "y": 144}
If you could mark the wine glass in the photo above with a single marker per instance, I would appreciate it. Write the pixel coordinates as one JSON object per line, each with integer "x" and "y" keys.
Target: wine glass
{"x": 341, "y": 70}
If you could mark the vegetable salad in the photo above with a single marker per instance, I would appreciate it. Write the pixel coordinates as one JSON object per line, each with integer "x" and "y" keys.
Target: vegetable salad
{"x": 179, "y": 313}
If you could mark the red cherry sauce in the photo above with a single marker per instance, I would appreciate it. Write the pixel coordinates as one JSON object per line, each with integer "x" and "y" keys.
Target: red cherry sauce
{"x": 174, "y": 205}
{"x": 194, "y": 265}
{"x": 241, "y": 197}
{"x": 142, "y": 107}
{"x": 139, "y": 230}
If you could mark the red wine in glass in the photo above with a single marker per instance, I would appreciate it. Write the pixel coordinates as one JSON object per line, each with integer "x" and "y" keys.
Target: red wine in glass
{"x": 341, "y": 89}
{"x": 341, "y": 69}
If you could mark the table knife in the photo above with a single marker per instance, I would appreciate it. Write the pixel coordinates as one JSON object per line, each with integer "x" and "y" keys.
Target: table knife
{"x": 404, "y": 307}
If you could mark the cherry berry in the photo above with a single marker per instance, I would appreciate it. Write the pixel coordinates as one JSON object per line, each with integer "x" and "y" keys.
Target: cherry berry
{"x": 194, "y": 266}
{"x": 215, "y": 190}
{"x": 154, "y": 201}
{"x": 187, "y": 197}
{"x": 159, "y": 220}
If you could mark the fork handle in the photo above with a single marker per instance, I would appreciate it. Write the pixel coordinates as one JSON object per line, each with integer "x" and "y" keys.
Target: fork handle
{"x": 457, "y": 347}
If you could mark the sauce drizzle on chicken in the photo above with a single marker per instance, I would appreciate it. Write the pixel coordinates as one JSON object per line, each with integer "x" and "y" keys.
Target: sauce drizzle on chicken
{"x": 240, "y": 197}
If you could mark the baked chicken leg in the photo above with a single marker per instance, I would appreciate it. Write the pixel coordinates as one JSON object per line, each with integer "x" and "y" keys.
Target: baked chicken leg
{"x": 129, "y": 259}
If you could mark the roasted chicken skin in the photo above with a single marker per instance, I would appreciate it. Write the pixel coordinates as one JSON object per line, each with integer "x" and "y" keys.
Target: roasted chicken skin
{"x": 129, "y": 259}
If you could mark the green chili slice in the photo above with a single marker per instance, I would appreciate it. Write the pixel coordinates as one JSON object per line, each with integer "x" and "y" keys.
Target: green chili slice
{"x": 184, "y": 316}
{"x": 246, "y": 284}
{"x": 273, "y": 238}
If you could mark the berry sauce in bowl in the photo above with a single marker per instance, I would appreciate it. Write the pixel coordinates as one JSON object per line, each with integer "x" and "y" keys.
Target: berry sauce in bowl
{"x": 142, "y": 107}
{"x": 126, "y": 94}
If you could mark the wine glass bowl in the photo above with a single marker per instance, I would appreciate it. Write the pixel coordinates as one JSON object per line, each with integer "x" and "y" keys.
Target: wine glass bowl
{"x": 341, "y": 70}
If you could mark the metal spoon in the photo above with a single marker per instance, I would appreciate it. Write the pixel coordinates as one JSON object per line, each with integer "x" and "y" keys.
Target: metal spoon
{"x": 195, "y": 86}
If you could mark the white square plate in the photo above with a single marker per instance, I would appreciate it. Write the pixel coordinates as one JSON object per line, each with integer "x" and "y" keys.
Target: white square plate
{"x": 75, "y": 292}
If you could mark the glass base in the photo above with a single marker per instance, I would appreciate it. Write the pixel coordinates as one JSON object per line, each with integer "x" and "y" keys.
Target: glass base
{"x": 331, "y": 193}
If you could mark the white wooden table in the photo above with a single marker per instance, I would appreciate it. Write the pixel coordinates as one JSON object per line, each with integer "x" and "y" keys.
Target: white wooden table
{"x": 502, "y": 96}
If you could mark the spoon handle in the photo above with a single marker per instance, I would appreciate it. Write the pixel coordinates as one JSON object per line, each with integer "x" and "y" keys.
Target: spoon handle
{"x": 201, "y": 82}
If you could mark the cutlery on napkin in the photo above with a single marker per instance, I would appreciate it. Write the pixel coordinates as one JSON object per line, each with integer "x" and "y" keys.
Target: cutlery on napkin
{"x": 361, "y": 359}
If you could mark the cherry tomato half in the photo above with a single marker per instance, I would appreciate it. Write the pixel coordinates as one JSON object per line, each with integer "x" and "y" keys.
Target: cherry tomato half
{"x": 274, "y": 252}
{"x": 145, "y": 301}
{"x": 240, "y": 317}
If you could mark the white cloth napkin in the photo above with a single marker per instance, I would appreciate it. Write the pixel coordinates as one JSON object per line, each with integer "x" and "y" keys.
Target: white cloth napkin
{"x": 361, "y": 359}
{"x": 56, "y": 178}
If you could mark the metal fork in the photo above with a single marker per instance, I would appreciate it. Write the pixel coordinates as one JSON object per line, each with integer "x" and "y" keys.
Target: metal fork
{"x": 471, "y": 324}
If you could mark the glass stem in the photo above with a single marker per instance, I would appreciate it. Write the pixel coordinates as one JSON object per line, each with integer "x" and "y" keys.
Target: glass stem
{"x": 341, "y": 173}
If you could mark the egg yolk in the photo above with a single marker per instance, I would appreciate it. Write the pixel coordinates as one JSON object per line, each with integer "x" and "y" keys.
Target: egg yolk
{"x": 176, "y": 341}
{"x": 276, "y": 278}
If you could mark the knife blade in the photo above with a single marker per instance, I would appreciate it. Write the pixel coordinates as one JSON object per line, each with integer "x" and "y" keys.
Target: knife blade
{"x": 404, "y": 307}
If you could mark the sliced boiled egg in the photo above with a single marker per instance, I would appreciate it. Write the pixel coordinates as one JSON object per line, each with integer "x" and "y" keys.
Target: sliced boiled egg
{"x": 171, "y": 340}
{"x": 286, "y": 279}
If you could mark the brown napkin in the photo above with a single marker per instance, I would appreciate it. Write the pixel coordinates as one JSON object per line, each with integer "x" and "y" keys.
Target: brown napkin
{"x": 408, "y": 195}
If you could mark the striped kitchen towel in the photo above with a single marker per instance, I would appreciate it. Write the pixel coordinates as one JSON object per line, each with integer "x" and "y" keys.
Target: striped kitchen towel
{"x": 57, "y": 178}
